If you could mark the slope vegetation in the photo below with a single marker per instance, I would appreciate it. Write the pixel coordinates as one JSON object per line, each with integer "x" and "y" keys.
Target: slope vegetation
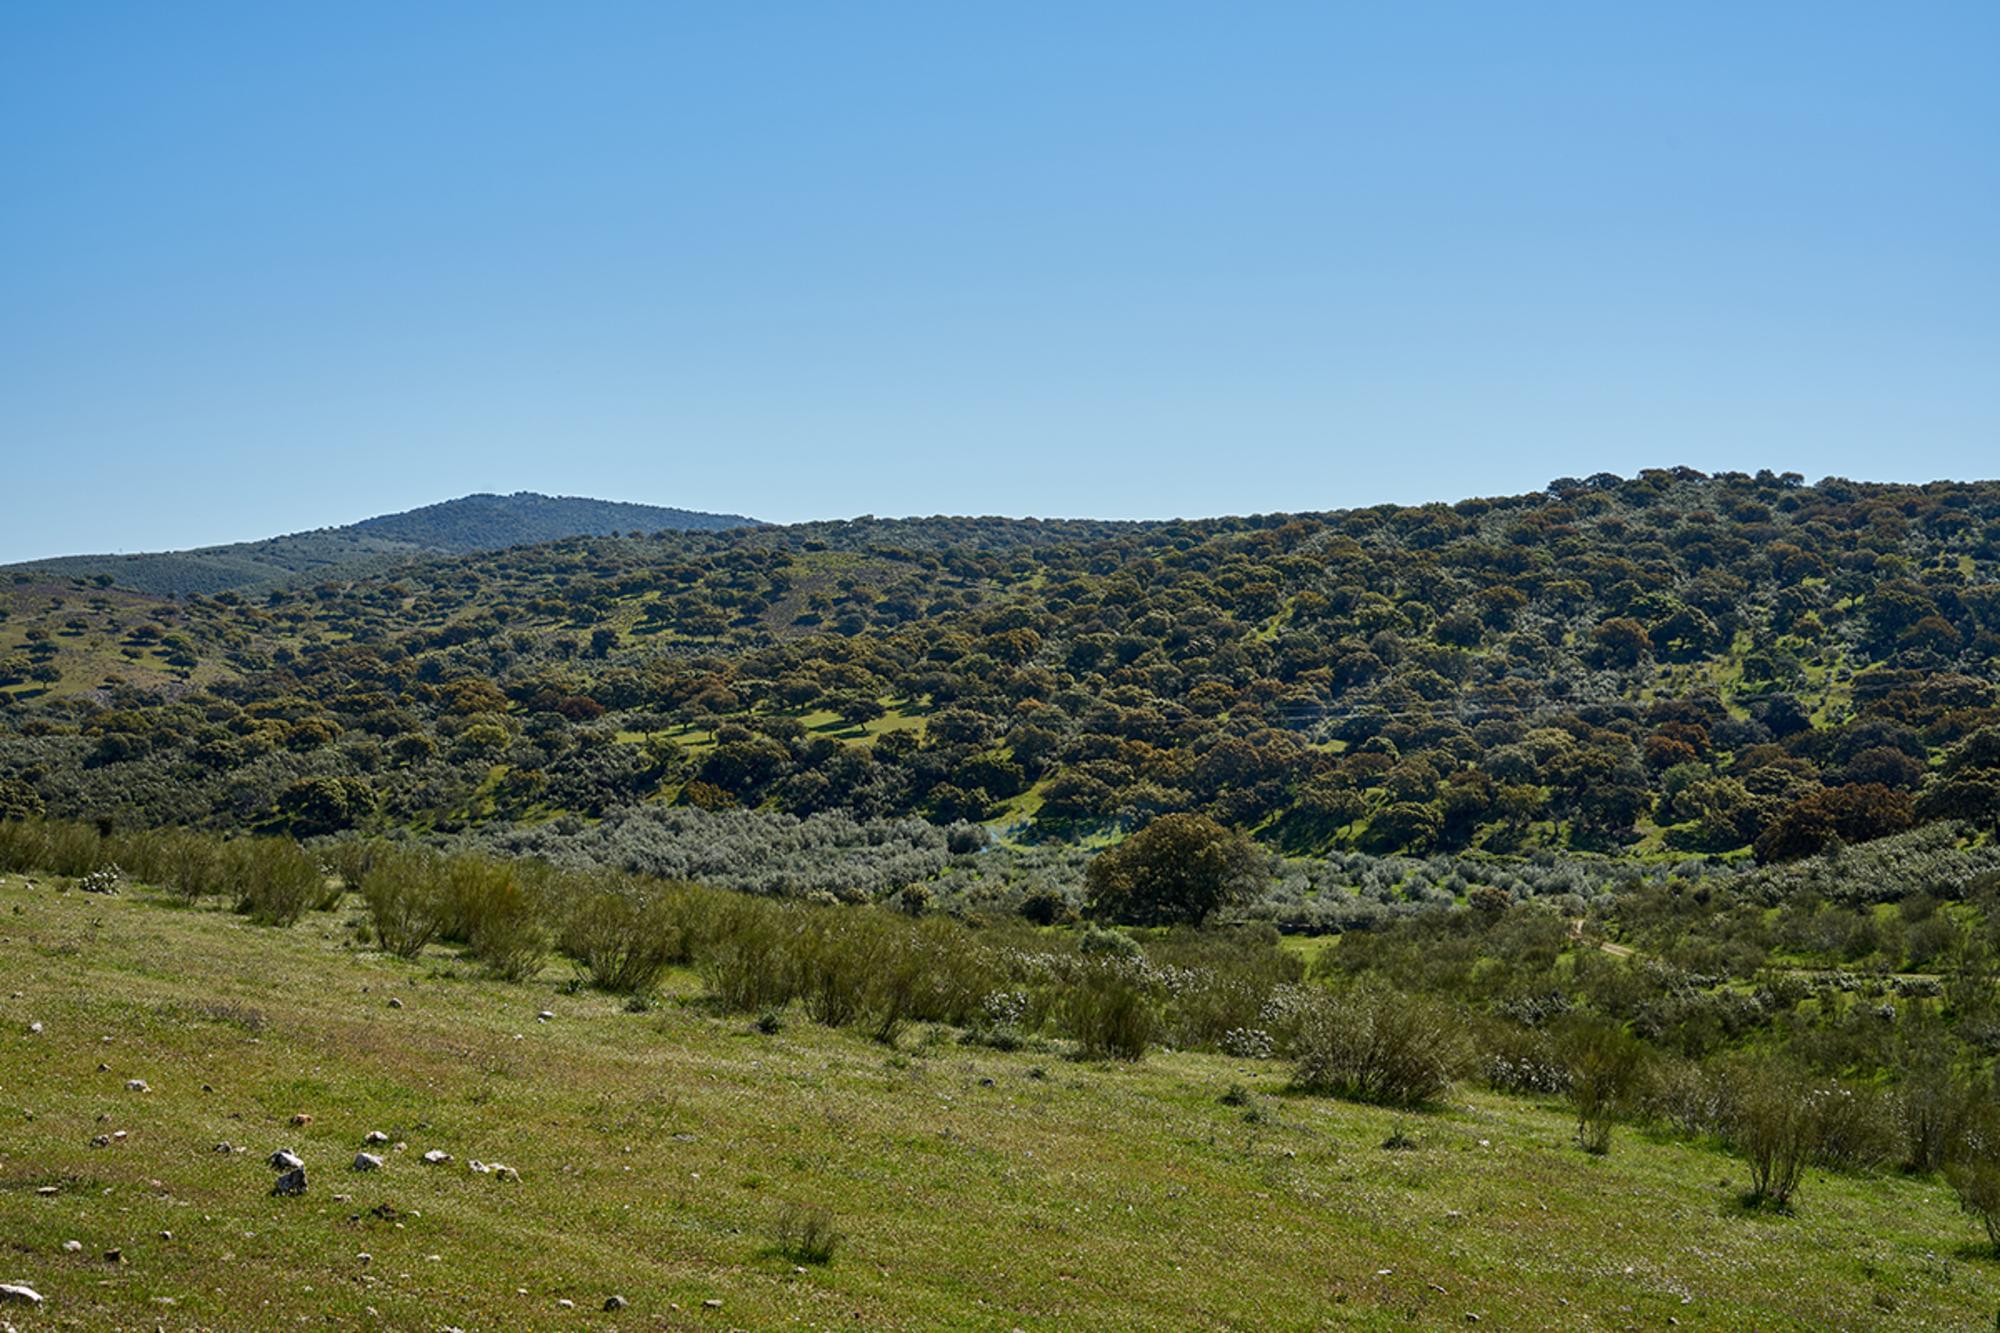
{"x": 1672, "y": 664}
{"x": 658, "y": 1153}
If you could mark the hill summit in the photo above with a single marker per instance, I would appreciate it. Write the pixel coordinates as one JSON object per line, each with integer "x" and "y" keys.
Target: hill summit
{"x": 478, "y": 522}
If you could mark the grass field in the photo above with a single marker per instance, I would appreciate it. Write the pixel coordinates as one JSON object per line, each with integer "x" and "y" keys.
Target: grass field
{"x": 658, "y": 1150}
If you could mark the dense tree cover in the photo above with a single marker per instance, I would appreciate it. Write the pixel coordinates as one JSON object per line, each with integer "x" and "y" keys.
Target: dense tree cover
{"x": 1668, "y": 662}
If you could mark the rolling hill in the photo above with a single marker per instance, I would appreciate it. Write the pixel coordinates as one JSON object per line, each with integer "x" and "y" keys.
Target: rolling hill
{"x": 481, "y": 522}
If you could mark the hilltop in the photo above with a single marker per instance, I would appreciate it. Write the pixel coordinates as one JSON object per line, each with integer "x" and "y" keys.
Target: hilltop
{"x": 481, "y": 522}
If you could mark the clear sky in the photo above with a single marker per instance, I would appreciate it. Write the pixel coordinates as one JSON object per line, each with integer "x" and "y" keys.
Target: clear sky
{"x": 271, "y": 266}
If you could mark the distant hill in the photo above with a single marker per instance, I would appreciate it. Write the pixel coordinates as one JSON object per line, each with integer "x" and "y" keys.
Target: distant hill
{"x": 480, "y": 522}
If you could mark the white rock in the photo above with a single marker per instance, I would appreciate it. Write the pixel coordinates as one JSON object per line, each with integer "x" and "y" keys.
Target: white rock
{"x": 284, "y": 1160}
{"x": 376, "y": 1136}
{"x": 546, "y": 1015}
{"x": 367, "y": 1161}
{"x": 16, "y": 1294}
{"x": 437, "y": 1157}
{"x": 136, "y": 1085}
{"x": 477, "y": 1167}
{"x": 35, "y": 1029}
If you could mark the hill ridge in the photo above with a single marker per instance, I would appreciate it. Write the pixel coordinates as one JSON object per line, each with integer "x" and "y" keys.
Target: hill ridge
{"x": 464, "y": 525}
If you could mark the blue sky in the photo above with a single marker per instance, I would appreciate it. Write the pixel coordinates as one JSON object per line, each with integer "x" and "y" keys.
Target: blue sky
{"x": 265, "y": 267}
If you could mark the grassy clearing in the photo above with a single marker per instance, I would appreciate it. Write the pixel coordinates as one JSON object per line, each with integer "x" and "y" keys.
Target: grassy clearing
{"x": 661, "y": 1153}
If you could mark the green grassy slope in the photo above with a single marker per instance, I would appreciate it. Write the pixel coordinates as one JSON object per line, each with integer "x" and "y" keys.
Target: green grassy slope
{"x": 656, "y": 1151}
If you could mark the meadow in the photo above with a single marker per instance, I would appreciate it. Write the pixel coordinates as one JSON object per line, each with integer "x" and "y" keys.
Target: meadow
{"x": 668, "y": 1151}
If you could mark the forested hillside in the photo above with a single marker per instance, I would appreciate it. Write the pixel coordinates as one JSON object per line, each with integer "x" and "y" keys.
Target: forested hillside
{"x": 471, "y": 523}
{"x": 1668, "y": 664}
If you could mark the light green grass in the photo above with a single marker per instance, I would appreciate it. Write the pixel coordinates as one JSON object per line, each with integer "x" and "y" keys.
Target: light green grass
{"x": 657, "y": 1150}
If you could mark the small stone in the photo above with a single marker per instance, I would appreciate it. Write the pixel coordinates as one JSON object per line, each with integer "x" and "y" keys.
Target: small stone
{"x": 13, "y": 1293}
{"x": 545, "y": 1015}
{"x": 35, "y": 1029}
{"x": 367, "y": 1161}
{"x": 395, "y": 1003}
{"x": 615, "y": 1302}
{"x": 375, "y": 1136}
{"x": 302, "y": 1119}
{"x": 225, "y": 1146}
{"x": 47, "y": 1191}
{"x": 72, "y": 1247}
{"x": 101, "y": 1141}
{"x": 292, "y": 1183}
{"x": 565, "y": 1303}
{"x": 712, "y": 1303}
{"x": 136, "y": 1085}
{"x": 284, "y": 1160}
{"x": 437, "y": 1157}
{"x": 505, "y": 1172}
{"x": 166, "y": 1235}
{"x": 114, "y": 1256}
{"x": 477, "y": 1167}
{"x": 364, "y": 1258}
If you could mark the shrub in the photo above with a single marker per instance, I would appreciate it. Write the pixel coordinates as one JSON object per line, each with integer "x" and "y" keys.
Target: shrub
{"x": 1854, "y": 1126}
{"x": 276, "y": 880}
{"x": 189, "y": 865}
{"x": 806, "y": 1235}
{"x": 835, "y": 956}
{"x": 483, "y": 904}
{"x": 623, "y": 937}
{"x": 1046, "y": 907}
{"x": 1603, "y": 1064}
{"x": 56, "y": 846}
{"x": 1102, "y": 942}
{"x": 1973, "y": 1168}
{"x": 1930, "y": 1104}
{"x": 1107, "y": 1012}
{"x": 1379, "y": 1046}
{"x": 1774, "y": 1127}
{"x": 742, "y": 956}
{"x": 405, "y": 905}
{"x": 507, "y": 935}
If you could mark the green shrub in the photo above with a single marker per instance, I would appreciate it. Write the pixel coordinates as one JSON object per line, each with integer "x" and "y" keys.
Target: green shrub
{"x": 1604, "y": 1064}
{"x": 624, "y": 936}
{"x": 806, "y": 1235}
{"x": 1775, "y": 1128}
{"x": 1378, "y": 1045}
{"x": 192, "y": 867}
{"x": 1108, "y": 1012}
{"x": 835, "y": 957}
{"x": 743, "y": 956}
{"x": 276, "y": 881}
{"x": 1972, "y": 1165}
{"x": 58, "y": 847}
{"x": 406, "y": 907}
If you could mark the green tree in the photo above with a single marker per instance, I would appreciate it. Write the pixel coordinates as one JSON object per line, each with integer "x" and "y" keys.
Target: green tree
{"x": 1178, "y": 869}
